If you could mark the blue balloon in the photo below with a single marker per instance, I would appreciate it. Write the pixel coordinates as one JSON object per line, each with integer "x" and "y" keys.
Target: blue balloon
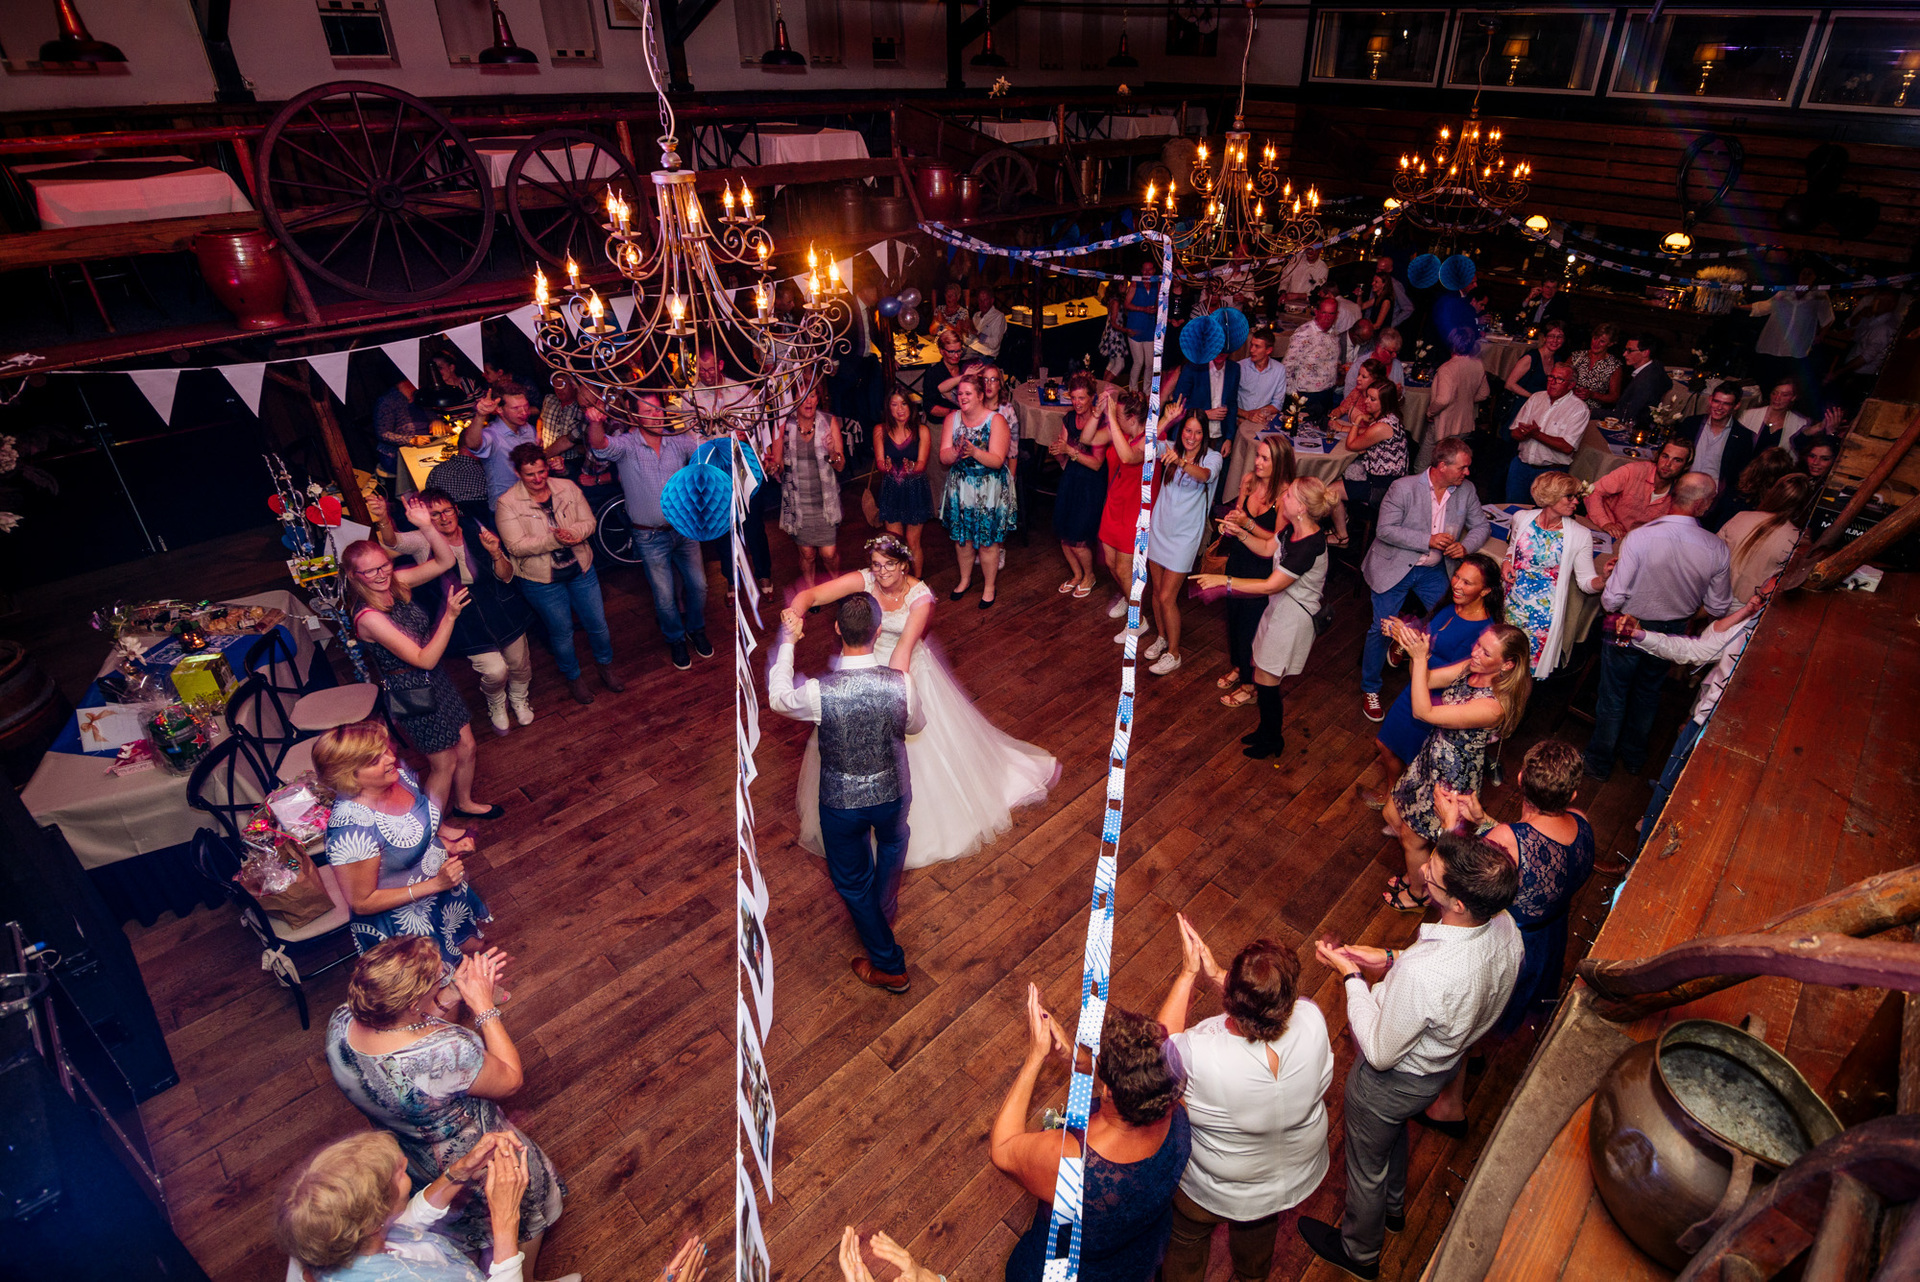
{"x": 1202, "y": 339}
{"x": 890, "y": 307}
{"x": 1423, "y": 272}
{"x": 698, "y": 502}
{"x": 1233, "y": 323}
{"x": 1457, "y": 272}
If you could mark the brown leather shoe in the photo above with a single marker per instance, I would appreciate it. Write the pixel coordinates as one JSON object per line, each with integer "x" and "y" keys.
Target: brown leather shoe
{"x": 608, "y": 679}
{"x": 577, "y": 687}
{"x": 864, "y": 971}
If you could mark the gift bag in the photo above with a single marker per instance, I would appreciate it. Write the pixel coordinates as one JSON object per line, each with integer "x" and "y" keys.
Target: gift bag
{"x": 286, "y": 884}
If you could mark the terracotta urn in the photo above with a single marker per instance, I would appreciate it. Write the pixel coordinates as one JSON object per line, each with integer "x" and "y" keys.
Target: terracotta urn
{"x": 244, "y": 271}
{"x": 969, "y": 196}
{"x": 939, "y": 199}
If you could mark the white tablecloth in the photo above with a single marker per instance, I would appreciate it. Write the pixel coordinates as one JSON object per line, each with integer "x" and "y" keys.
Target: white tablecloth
{"x": 72, "y": 199}
{"x": 794, "y": 149}
{"x": 1141, "y": 126}
{"x": 107, "y": 818}
{"x": 550, "y": 166}
{"x": 1013, "y": 131}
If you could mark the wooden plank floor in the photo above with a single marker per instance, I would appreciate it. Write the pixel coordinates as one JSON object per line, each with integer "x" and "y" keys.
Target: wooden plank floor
{"x": 1807, "y": 781}
{"x": 610, "y": 881}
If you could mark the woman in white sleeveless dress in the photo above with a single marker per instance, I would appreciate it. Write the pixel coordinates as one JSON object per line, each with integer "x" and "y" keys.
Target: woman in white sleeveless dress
{"x": 966, "y": 774}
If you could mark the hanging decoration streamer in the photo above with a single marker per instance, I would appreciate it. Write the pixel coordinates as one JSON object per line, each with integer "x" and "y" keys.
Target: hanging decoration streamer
{"x": 1064, "y": 1232}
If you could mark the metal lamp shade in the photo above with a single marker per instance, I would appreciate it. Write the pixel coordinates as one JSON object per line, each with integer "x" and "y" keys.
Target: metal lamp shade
{"x": 503, "y": 51}
{"x": 75, "y": 44}
{"x": 783, "y": 53}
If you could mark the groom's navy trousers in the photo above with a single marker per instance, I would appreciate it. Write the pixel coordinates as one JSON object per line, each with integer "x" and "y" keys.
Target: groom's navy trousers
{"x": 866, "y": 851}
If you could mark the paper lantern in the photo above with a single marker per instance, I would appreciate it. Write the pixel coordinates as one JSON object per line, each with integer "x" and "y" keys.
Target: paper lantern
{"x": 698, "y": 502}
{"x": 719, "y": 453}
{"x": 1233, "y": 322}
{"x": 1423, "y": 272}
{"x": 1202, "y": 339}
{"x": 1457, "y": 272}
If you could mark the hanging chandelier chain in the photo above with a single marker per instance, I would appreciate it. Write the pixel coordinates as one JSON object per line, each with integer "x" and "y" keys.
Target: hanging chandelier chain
{"x": 649, "y": 38}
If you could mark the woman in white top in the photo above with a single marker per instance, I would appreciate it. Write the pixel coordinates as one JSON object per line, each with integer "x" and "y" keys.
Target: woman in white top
{"x": 1762, "y": 540}
{"x": 1257, "y": 1078}
{"x": 1548, "y": 554}
{"x": 1776, "y": 422}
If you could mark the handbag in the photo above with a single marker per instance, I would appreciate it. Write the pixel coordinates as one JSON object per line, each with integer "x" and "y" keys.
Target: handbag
{"x": 1213, "y": 560}
{"x": 869, "y": 500}
{"x": 418, "y": 701}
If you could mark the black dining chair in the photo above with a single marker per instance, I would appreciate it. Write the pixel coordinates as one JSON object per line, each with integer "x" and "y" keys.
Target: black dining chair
{"x": 259, "y": 714}
{"x": 226, "y": 784}
{"x": 308, "y": 708}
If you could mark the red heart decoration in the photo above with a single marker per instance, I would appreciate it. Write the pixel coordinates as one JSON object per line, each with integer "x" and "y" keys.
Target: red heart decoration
{"x": 278, "y": 504}
{"x": 327, "y": 513}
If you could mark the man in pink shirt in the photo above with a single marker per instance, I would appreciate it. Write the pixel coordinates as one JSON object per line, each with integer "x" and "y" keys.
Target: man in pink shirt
{"x": 1629, "y": 497}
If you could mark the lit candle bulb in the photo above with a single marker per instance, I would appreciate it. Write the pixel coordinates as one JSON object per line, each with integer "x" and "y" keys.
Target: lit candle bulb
{"x": 595, "y": 308}
{"x": 1203, "y": 153}
{"x": 1259, "y": 211}
{"x": 1149, "y": 193}
{"x": 1314, "y": 196}
{"x": 676, "y": 309}
{"x": 693, "y": 211}
{"x": 1286, "y": 190}
{"x": 1296, "y": 207}
{"x": 746, "y": 197}
{"x": 573, "y": 273}
{"x": 813, "y": 260}
{"x": 540, "y": 296}
{"x": 763, "y": 255}
{"x": 761, "y": 299}
{"x": 726, "y": 199}
{"x": 833, "y": 275}
{"x": 1443, "y": 133}
{"x": 813, "y": 284}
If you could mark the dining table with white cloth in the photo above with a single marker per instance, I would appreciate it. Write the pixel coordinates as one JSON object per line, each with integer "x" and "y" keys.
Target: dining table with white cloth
{"x": 95, "y": 193}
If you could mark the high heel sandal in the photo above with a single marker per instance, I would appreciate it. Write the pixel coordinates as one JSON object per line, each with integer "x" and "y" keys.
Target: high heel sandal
{"x": 1403, "y": 900}
{"x": 1229, "y": 681}
{"x": 1238, "y": 699}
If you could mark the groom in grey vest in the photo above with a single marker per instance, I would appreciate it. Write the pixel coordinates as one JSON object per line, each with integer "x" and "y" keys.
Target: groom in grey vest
{"x": 865, "y": 711}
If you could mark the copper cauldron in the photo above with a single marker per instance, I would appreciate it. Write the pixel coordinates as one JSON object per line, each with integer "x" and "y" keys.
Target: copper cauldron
{"x": 1683, "y": 1124}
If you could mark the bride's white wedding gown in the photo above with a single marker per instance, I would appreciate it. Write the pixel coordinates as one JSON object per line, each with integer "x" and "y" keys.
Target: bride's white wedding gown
{"x": 967, "y": 775}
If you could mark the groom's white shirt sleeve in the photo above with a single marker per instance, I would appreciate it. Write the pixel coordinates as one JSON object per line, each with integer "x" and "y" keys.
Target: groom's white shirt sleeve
{"x": 802, "y": 702}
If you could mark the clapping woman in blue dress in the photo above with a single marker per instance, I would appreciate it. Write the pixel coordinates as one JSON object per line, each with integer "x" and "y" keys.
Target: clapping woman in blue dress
{"x": 978, "y": 508}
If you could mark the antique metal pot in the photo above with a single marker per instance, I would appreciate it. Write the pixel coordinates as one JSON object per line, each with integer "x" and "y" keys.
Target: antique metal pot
{"x": 1683, "y": 1124}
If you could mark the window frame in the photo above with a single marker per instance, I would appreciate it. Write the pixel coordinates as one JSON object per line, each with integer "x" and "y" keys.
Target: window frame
{"x": 1805, "y": 99}
{"x": 1449, "y": 21}
{"x": 1787, "y": 101}
{"x": 1465, "y": 18}
{"x": 377, "y": 9}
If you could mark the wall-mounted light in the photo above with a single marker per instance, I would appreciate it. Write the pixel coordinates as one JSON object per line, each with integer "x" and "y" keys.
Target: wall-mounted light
{"x": 782, "y": 54}
{"x": 1677, "y": 242}
{"x": 75, "y": 45}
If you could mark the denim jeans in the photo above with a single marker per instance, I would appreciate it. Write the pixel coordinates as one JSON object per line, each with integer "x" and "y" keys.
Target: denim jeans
{"x": 667, "y": 554}
{"x": 1676, "y": 762}
{"x": 1427, "y": 582}
{"x": 558, "y": 605}
{"x": 1630, "y": 681}
{"x": 1520, "y": 477}
{"x": 866, "y": 851}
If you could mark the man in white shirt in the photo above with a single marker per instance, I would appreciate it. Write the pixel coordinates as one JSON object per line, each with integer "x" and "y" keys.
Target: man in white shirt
{"x": 1313, "y": 358}
{"x": 864, "y": 710}
{"x": 1795, "y": 320}
{"x": 1303, "y": 275}
{"x": 1549, "y": 429}
{"x": 1411, "y": 1030}
{"x": 989, "y": 325}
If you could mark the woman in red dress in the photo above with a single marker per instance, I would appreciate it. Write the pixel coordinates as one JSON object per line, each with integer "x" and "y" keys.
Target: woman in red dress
{"x": 1126, "y": 449}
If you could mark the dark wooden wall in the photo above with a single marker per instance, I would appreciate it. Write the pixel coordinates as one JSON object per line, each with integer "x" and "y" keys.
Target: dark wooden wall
{"x": 1620, "y": 175}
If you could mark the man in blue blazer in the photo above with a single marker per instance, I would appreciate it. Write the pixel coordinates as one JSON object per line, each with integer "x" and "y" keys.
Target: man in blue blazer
{"x": 1213, "y": 392}
{"x": 1428, "y": 521}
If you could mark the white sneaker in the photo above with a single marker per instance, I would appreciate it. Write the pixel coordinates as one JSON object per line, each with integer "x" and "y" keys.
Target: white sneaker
{"x": 522, "y": 708}
{"x": 1154, "y": 651}
{"x": 1120, "y": 637}
{"x": 497, "y": 711}
{"x": 1118, "y": 608}
{"x": 1164, "y": 664}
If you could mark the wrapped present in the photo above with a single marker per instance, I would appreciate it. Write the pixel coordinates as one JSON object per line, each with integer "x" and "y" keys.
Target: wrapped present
{"x": 286, "y": 883}
{"x": 298, "y": 811}
{"x": 204, "y": 680}
{"x": 179, "y": 738}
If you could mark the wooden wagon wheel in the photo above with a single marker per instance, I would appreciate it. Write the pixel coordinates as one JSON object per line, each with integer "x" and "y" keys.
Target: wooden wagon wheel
{"x": 1006, "y": 178}
{"x": 557, "y": 195}
{"x": 375, "y": 191}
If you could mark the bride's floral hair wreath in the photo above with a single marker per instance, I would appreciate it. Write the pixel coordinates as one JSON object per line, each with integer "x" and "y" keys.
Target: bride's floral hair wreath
{"x": 891, "y": 547}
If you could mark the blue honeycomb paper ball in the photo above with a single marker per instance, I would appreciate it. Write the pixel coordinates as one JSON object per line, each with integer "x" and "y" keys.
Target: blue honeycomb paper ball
{"x": 719, "y": 453}
{"x": 1457, "y": 272}
{"x": 1423, "y": 272}
{"x": 1202, "y": 339}
{"x": 1233, "y": 322}
{"x": 698, "y": 502}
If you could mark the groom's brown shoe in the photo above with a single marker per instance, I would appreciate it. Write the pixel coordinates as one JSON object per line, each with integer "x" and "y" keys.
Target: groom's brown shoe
{"x": 864, "y": 970}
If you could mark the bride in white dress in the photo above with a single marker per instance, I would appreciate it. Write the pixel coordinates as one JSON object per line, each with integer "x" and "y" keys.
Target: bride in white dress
{"x": 966, "y": 774}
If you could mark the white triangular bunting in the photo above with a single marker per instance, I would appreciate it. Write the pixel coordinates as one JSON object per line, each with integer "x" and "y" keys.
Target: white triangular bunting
{"x": 622, "y": 308}
{"x": 405, "y": 353}
{"x": 157, "y": 385}
{"x": 467, "y": 339}
{"x": 332, "y": 368}
{"x": 846, "y": 271}
{"x": 526, "y": 320}
{"x": 246, "y": 380}
{"x": 882, "y": 254}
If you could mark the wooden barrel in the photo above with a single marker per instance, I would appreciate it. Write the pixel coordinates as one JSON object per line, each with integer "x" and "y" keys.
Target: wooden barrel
{"x": 32, "y": 712}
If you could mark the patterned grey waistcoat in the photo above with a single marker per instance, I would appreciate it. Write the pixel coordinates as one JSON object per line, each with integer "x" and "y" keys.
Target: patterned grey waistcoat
{"x": 863, "y": 747}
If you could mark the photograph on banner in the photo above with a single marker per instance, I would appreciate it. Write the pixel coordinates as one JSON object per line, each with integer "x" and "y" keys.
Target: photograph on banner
{"x": 751, "y": 1263}
{"x": 756, "y": 1097}
{"x": 756, "y": 955}
{"x": 756, "y": 882}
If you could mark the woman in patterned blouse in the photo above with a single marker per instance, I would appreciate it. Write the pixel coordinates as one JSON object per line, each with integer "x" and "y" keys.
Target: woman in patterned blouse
{"x": 1598, "y": 375}
{"x": 398, "y": 865}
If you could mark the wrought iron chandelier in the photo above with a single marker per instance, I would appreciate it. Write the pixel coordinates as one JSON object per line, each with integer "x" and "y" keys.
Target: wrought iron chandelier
{"x": 1251, "y": 220}
{"x": 699, "y": 285}
{"x": 1469, "y": 186}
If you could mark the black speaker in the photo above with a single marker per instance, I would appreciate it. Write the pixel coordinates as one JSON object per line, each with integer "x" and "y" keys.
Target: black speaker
{"x": 43, "y": 887}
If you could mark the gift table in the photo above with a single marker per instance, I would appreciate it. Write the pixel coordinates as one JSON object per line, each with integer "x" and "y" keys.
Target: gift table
{"x": 132, "y": 832}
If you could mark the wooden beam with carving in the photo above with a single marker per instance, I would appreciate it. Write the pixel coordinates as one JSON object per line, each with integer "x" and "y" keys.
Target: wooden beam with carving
{"x": 1808, "y": 958}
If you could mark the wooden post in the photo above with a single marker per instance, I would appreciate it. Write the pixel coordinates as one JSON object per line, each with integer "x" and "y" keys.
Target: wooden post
{"x": 1039, "y": 304}
{"x": 1863, "y": 495}
{"x": 1845, "y": 1240}
{"x": 1893, "y": 527}
{"x": 339, "y": 462}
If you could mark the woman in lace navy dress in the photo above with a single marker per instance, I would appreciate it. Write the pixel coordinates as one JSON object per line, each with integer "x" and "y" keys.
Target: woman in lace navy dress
{"x": 398, "y": 866}
{"x": 901, "y": 448}
{"x": 1136, "y": 1145}
{"x": 435, "y": 1085}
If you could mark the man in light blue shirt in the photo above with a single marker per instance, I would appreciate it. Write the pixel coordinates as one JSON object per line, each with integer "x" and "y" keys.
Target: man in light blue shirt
{"x": 501, "y": 420}
{"x": 1263, "y": 382}
{"x": 646, "y": 459}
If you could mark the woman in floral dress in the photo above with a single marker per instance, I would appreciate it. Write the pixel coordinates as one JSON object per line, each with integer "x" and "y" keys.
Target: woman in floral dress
{"x": 978, "y": 508}
{"x": 1547, "y": 554}
{"x": 1598, "y": 375}
{"x": 1483, "y": 695}
{"x": 399, "y": 869}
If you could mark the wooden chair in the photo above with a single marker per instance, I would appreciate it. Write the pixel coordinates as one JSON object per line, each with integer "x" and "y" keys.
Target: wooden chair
{"x": 309, "y": 708}
{"x": 219, "y": 786}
